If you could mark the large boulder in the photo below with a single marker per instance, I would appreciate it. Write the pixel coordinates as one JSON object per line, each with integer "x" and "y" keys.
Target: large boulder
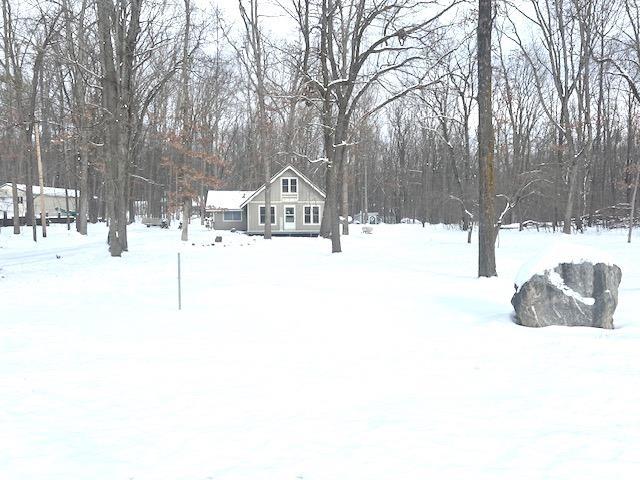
{"x": 573, "y": 293}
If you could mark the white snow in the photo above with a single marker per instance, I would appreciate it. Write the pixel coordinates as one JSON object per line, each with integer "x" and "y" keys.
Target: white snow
{"x": 388, "y": 361}
{"x": 565, "y": 249}
{"x": 557, "y": 281}
{"x": 227, "y": 199}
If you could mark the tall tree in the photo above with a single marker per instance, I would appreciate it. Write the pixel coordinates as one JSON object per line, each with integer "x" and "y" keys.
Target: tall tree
{"x": 486, "y": 177}
{"x": 119, "y": 22}
{"x": 256, "y": 70}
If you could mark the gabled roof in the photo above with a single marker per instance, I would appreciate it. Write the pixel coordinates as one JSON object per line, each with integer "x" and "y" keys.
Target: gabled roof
{"x": 277, "y": 175}
{"x": 48, "y": 191}
{"x": 227, "y": 199}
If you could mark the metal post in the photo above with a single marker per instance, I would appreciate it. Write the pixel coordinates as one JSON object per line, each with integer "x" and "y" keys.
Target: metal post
{"x": 179, "y": 285}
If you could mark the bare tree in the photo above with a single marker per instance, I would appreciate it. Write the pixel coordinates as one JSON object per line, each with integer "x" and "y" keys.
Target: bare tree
{"x": 361, "y": 45}
{"x": 254, "y": 47}
{"x": 23, "y": 97}
{"x": 564, "y": 29}
{"x": 81, "y": 76}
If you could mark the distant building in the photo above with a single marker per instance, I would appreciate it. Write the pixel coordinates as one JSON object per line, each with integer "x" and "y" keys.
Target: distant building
{"x": 53, "y": 198}
{"x": 296, "y": 206}
{"x": 371, "y": 217}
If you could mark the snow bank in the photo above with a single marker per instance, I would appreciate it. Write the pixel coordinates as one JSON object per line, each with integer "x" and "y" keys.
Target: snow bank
{"x": 564, "y": 250}
{"x": 289, "y": 362}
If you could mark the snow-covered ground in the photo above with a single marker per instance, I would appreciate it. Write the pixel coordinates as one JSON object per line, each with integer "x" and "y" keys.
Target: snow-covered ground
{"x": 389, "y": 361}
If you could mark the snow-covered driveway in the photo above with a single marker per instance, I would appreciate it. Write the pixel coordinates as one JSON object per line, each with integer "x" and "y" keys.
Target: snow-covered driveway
{"x": 389, "y": 361}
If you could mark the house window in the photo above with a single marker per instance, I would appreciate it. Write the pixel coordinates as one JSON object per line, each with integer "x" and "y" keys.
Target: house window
{"x": 262, "y": 215}
{"x": 312, "y": 215}
{"x": 289, "y": 185}
{"x": 232, "y": 216}
{"x": 20, "y": 200}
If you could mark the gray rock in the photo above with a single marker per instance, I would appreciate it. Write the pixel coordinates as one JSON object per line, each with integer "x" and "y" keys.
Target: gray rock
{"x": 571, "y": 294}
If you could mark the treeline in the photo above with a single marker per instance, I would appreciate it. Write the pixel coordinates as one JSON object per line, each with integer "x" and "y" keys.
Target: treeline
{"x": 143, "y": 106}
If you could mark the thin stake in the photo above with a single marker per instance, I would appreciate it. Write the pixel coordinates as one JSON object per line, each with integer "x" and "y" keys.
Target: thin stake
{"x": 179, "y": 285}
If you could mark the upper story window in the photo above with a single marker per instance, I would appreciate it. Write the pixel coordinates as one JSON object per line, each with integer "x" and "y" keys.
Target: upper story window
{"x": 289, "y": 185}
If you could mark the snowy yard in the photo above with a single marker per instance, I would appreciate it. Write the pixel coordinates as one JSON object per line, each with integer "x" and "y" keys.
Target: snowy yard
{"x": 390, "y": 361}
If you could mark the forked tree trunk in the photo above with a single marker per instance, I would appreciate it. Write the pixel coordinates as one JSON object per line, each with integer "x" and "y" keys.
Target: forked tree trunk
{"x": 117, "y": 80}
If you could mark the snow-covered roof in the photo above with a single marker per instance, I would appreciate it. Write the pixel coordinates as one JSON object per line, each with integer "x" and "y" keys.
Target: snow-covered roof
{"x": 49, "y": 191}
{"x": 227, "y": 199}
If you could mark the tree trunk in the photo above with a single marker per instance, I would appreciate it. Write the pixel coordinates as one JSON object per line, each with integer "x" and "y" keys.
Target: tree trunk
{"x": 185, "y": 220}
{"x": 486, "y": 229}
{"x": 117, "y": 80}
{"x": 633, "y": 203}
{"x": 16, "y": 208}
{"x": 325, "y": 224}
{"x": 83, "y": 208}
{"x": 573, "y": 169}
{"x": 43, "y": 215}
{"x": 365, "y": 210}
{"x": 345, "y": 199}
{"x": 332, "y": 207}
{"x": 267, "y": 199}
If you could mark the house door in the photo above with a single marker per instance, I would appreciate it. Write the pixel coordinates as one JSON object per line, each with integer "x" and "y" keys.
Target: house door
{"x": 290, "y": 217}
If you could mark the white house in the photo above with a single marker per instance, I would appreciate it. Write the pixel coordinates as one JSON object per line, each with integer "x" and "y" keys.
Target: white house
{"x": 53, "y": 198}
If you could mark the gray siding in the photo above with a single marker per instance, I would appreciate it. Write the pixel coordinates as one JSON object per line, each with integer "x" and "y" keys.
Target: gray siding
{"x": 220, "y": 224}
{"x": 306, "y": 196}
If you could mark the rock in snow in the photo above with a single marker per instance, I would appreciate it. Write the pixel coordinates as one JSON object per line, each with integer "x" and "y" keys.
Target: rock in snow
{"x": 572, "y": 294}
{"x": 578, "y": 291}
